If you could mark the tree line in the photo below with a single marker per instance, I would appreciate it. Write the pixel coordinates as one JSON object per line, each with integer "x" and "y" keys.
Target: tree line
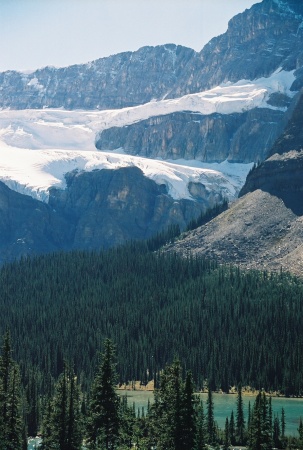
{"x": 177, "y": 420}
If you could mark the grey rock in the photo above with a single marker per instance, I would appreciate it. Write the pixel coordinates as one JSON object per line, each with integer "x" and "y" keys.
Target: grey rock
{"x": 126, "y": 79}
{"x": 263, "y": 229}
{"x": 259, "y": 41}
{"x": 97, "y": 209}
{"x": 239, "y": 137}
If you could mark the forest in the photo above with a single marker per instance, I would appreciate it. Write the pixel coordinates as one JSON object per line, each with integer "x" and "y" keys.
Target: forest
{"x": 69, "y": 419}
{"x": 228, "y": 327}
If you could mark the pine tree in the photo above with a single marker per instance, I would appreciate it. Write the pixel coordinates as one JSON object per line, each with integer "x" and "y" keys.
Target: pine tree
{"x": 62, "y": 423}
{"x": 283, "y": 424}
{"x": 211, "y": 427}
{"x": 200, "y": 429}
{"x": 232, "y": 429}
{"x": 240, "y": 421}
{"x": 276, "y": 433}
{"x": 260, "y": 429}
{"x": 166, "y": 410}
{"x": 188, "y": 413}
{"x": 11, "y": 423}
{"x": 226, "y": 442}
{"x": 103, "y": 415}
{"x": 300, "y": 430}
{"x": 173, "y": 416}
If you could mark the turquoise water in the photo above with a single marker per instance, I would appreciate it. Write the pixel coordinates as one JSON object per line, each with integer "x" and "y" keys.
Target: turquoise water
{"x": 224, "y": 404}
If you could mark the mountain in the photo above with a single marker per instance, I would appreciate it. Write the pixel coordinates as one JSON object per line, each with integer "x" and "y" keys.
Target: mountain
{"x": 263, "y": 229}
{"x": 166, "y": 127}
{"x": 272, "y": 30}
{"x": 263, "y": 40}
{"x": 97, "y": 209}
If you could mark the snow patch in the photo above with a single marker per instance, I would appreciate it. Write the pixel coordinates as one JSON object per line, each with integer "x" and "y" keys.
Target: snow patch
{"x": 35, "y": 83}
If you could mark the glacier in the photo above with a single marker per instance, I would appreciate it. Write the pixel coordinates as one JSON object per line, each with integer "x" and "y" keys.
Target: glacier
{"x": 38, "y": 147}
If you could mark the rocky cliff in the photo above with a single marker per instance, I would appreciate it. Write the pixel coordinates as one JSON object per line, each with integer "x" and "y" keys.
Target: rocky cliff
{"x": 126, "y": 79}
{"x": 282, "y": 173}
{"x": 244, "y": 138}
{"x": 263, "y": 229}
{"x": 259, "y": 41}
{"x": 96, "y": 210}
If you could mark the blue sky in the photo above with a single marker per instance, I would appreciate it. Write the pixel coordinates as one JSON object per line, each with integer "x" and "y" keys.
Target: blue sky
{"x": 37, "y": 33}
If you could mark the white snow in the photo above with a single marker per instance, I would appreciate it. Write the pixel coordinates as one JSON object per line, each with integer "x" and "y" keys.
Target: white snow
{"x": 37, "y": 147}
{"x": 34, "y": 172}
{"x": 35, "y": 82}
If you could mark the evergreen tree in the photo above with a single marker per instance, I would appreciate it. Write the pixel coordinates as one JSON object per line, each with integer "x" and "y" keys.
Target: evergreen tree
{"x": 232, "y": 429}
{"x": 173, "y": 421}
{"x": 300, "y": 430}
{"x": 103, "y": 415}
{"x": 276, "y": 433}
{"x": 226, "y": 442}
{"x": 260, "y": 429}
{"x": 62, "y": 424}
{"x": 11, "y": 423}
{"x": 200, "y": 435}
{"x": 283, "y": 424}
{"x": 188, "y": 413}
{"x": 240, "y": 421}
{"x": 167, "y": 411}
{"x": 211, "y": 426}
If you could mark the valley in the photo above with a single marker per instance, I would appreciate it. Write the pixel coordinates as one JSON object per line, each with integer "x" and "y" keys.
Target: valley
{"x": 151, "y": 229}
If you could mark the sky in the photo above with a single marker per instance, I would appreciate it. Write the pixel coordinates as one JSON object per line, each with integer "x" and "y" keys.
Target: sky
{"x": 39, "y": 33}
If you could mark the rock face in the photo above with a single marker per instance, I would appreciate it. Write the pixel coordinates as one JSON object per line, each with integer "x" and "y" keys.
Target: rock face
{"x": 244, "y": 138}
{"x": 282, "y": 174}
{"x": 259, "y": 41}
{"x": 126, "y": 79}
{"x": 272, "y": 30}
{"x": 28, "y": 227}
{"x": 96, "y": 210}
{"x": 263, "y": 229}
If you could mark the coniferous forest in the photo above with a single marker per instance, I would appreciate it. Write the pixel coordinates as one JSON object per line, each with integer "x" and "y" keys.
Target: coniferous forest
{"x": 227, "y": 327}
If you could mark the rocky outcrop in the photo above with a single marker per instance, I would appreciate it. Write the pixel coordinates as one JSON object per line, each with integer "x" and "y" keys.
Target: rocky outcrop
{"x": 244, "y": 138}
{"x": 263, "y": 229}
{"x": 98, "y": 209}
{"x": 257, "y": 232}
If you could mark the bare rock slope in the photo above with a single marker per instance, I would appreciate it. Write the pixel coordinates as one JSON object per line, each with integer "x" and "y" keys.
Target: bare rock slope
{"x": 264, "y": 228}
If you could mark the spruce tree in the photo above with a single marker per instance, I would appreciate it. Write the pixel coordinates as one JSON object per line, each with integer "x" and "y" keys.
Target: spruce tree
{"x": 188, "y": 413}
{"x": 260, "y": 429}
{"x": 232, "y": 429}
{"x": 11, "y": 423}
{"x": 226, "y": 442}
{"x": 240, "y": 421}
{"x": 103, "y": 415}
{"x": 300, "y": 430}
{"x": 62, "y": 424}
{"x": 276, "y": 433}
{"x": 211, "y": 427}
{"x": 173, "y": 416}
{"x": 200, "y": 436}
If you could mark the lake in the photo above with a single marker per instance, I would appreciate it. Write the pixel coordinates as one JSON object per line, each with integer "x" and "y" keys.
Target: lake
{"x": 224, "y": 404}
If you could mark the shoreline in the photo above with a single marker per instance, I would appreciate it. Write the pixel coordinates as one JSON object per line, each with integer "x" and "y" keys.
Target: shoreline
{"x": 247, "y": 391}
